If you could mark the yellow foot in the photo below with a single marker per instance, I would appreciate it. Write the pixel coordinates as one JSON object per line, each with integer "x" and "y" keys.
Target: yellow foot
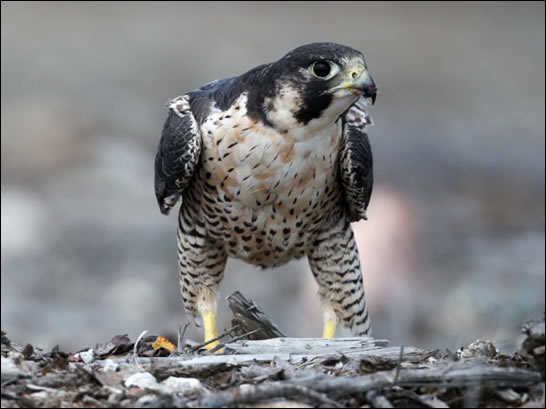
{"x": 212, "y": 345}
{"x": 209, "y": 324}
{"x": 329, "y": 329}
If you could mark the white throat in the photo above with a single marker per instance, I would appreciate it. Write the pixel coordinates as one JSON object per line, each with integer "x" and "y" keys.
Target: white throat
{"x": 281, "y": 111}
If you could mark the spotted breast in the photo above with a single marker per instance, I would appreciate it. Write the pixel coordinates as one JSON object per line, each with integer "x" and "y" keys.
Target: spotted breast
{"x": 262, "y": 192}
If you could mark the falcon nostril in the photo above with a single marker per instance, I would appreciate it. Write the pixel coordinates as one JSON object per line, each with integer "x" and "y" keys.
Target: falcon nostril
{"x": 354, "y": 75}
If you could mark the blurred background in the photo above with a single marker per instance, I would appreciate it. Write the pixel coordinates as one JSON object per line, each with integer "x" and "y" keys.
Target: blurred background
{"x": 454, "y": 246}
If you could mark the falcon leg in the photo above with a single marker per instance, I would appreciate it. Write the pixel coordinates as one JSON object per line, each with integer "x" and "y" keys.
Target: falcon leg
{"x": 330, "y": 322}
{"x": 201, "y": 265}
{"x": 206, "y": 305}
{"x": 335, "y": 264}
{"x": 211, "y": 332}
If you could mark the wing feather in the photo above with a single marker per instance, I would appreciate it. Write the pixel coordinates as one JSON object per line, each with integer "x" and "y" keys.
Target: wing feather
{"x": 356, "y": 162}
{"x": 177, "y": 154}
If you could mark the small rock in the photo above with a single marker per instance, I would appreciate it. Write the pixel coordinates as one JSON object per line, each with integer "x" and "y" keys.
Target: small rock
{"x": 110, "y": 378}
{"x": 115, "y": 396}
{"x": 17, "y": 357}
{"x": 136, "y": 392}
{"x": 28, "y": 350}
{"x": 509, "y": 395}
{"x": 184, "y": 385}
{"x": 532, "y": 344}
{"x": 9, "y": 370}
{"x": 42, "y": 395}
{"x": 3, "y": 339}
{"x": 92, "y": 402}
{"x": 434, "y": 402}
{"x": 148, "y": 400}
{"x": 431, "y": 360}
{"x": 144, "y": 380}
{"x": 478, "y": 348}
{"x": 86, "y": 356}
{"x": 110, "y": 365}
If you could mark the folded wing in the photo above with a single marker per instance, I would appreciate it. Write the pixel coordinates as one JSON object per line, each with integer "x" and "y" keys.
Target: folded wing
{"x": 356, "y": 162}
{"x": 177, "y": 155}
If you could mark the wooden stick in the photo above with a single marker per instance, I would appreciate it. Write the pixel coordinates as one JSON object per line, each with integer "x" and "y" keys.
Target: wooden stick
{"x": 250, "y": 317}
{"x": 255, "y": 393}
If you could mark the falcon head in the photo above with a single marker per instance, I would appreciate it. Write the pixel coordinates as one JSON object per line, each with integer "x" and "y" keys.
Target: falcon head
{"x": 315, "y": 83}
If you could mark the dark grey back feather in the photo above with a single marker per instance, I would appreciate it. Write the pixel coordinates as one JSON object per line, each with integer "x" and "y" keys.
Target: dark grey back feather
{"x": 258, "y": 83}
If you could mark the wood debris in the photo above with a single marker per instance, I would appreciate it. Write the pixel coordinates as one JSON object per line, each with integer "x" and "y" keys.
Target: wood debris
{"x": 273, "y": 372}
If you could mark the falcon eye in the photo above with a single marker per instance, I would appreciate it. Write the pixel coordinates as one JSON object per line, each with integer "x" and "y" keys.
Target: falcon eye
{"x": 321, "y": 69}
{"x": 324, "y": 69}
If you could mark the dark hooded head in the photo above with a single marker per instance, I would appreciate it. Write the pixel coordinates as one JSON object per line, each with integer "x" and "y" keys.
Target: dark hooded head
{"x": 315, "y": 81}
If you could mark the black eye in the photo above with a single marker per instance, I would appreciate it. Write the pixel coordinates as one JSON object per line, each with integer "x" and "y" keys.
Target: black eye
{"x": 321, "y": 69}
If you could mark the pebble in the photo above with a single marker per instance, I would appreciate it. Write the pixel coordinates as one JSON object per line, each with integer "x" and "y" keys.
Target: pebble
{"x": 42, "y": 395}
{"x": 184, "y": 385}
{"x": 144, "y": 380}
{"x": 173, "y": 384}
{"x": 87, "y": 356}
{"x": 478, "y": 348}
{"x": 109, "y": 365}
{"x": 9, "y": 370}
{"x": 148, "y": 400}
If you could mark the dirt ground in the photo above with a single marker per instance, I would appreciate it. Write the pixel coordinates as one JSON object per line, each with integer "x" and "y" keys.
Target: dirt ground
{"x": 279, "y": 372}
{"x": 454, "y": 246}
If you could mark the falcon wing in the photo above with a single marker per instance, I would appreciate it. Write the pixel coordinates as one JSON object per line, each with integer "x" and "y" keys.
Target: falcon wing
{"x": 355, "y": 162}
{"x": 177, "y": 154}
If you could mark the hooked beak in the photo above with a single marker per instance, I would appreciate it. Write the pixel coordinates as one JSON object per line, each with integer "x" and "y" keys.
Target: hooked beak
{"x": 360, "y": 82}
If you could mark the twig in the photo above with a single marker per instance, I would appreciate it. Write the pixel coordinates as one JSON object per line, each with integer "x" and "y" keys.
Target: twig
{"x": 210, "y": 341}
{"x": 254, "y": 393}
{"x": 220, "y": 346}
{"x": 8, "y": 382}
{"x": 181, "y": 333}
{"x": 399, "y": 365}
{"x": 457, "y": 376}
{"x": 135, "y": 348}
{"x": 321, "y": 346}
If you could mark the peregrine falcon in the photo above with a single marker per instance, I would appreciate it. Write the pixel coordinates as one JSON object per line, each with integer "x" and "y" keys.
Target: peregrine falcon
{"x": 270, "y": 166}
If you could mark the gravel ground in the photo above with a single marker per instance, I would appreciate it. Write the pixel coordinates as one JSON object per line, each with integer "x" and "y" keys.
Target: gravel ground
{"x": 281, "y": 372}
{"x": 454, "y": 248}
